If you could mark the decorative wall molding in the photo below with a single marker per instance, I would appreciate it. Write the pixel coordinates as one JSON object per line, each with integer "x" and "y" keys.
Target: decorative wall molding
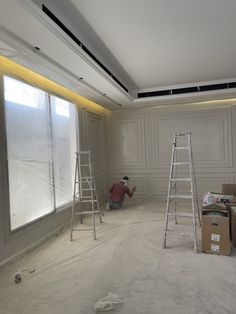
{"x": 96, "y": 140}
{"x": 151, "y": 131}
{"x": 205, "y": 183}
{"x": 211, "y": 137}
{"x": 128, "y": 142}
{"x": 93, "y": 128}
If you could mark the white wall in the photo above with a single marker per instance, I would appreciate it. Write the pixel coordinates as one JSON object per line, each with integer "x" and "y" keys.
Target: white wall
{"x": 140, "y": 146}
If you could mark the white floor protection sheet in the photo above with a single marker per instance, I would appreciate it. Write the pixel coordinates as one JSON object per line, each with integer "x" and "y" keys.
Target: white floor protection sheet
{"x": 126, "y": 260}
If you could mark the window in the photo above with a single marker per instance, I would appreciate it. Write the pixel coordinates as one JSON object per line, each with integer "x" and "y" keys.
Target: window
{"x": 41, "y": 144}
{"x": 22, "y": 94}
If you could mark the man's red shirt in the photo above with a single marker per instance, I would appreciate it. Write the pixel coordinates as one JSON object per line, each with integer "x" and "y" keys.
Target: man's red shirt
{"x": 118, "y": 191}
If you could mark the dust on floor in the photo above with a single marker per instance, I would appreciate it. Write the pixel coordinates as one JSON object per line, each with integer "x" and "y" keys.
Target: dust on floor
{"x": 126, "y": 259}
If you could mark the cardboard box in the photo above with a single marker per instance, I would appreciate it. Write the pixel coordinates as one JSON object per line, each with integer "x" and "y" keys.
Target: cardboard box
{"x": 233, "y": 225}
{"x": 229, "y": 189}
{"x": 215, "y": 231}
{"x": 232, "y": 211}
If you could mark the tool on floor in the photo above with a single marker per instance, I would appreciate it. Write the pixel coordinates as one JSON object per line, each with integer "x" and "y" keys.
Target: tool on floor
{"x": 18, "y": 277}
{"x": 85, "y": 193}
{"x": 184, "y": 152}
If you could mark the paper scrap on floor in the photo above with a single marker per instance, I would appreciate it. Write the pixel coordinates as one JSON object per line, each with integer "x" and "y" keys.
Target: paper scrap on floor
{"x": 108, "y": 302}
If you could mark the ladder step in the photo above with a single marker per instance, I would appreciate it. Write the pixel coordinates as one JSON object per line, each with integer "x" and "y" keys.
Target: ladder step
{"x": 83, "y": 229}
{"x": 188, "y": 215}
{"x": 181, "y": 147}
{"x": 183, "y": 163}
{"x": 181, "y": 196}
{"x": 84, "y": 165}
{"x": 87, "y": 201}
{"x": 87, "y": 197}
{"x": 180, "y": 179}
{"x": 183, "y": 134}
{"x": 84, "y": 181}
{"x": 87, "y": 212}
{"x": 180, "y": 234}
{"x": 84, "y": 152}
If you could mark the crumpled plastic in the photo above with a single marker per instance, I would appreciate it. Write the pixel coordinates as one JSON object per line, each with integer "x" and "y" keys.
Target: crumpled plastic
{"x": 108, "y": 302}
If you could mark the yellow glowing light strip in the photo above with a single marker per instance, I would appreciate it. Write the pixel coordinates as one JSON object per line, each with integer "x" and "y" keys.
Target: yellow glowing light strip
{"x": 10, "y": 67}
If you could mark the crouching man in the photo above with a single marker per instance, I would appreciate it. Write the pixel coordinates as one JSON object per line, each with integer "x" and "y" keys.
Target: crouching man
{"x": 118, "y": 191}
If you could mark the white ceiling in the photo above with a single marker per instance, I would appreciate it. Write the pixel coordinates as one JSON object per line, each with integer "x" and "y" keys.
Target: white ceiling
{"x": 164, "y": 42}
{"x": 147, "y": 44}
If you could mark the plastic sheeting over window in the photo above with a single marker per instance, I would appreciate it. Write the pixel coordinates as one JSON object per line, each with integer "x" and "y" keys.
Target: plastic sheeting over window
{"x": 41, "y": 144}
{"x": 64, "y": 146}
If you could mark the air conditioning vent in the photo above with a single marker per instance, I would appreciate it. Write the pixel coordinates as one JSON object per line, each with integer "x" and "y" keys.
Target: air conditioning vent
{"x": 81, "y": 45}
{"x": 213, "y": 87}
{"x": 185, "y": 90}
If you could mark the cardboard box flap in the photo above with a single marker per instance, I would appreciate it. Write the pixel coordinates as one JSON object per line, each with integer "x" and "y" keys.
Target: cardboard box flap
{"x": 229, "y": 189}
{"x": 215, "y": 212}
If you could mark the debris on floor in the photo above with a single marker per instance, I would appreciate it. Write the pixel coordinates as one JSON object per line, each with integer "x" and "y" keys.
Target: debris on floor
{"x": 108, "y": 302}
{"x": 18, "y": 277}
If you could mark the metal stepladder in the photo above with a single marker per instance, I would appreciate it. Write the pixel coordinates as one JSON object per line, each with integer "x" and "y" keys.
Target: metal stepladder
{"x": 85, "y": 192}
{"x": 185, "y": 152}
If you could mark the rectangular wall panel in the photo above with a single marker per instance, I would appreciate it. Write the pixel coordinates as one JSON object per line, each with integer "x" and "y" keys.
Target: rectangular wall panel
{"x": 128, "y": 142}
{"x": 211, "y": 137}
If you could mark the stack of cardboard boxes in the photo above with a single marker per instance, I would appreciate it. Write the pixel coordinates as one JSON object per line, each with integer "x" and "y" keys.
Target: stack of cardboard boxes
{"x": 219, "y": 225}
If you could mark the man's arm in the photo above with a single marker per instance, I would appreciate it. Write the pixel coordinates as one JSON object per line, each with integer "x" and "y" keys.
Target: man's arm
{"x": 111, "y": 189}
{"x": 130, "y": 193}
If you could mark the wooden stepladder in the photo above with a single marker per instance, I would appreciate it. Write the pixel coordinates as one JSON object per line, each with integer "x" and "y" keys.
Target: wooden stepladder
{"x": 85, "y": 193}
{"x": 188, "y": 165}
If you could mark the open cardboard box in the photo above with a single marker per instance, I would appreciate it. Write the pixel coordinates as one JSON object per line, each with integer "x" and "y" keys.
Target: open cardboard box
{"x": 231, "y": 189}
{"x": 215, "y": 231}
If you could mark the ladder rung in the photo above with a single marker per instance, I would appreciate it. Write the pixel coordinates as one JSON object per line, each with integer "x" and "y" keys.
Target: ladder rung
{"x": 181, "y": 179}
{"x": 87, "y": 212}
{"x": 188, "y": 215}
{"x": 181, "y": 147}
{"x": 181, "y": 196}
{"x": 182, "y": 163}
{"x": 183, "y": 134}
{"x": 180, "y": 234}
{"x": 84, "y": 181}
{"x": 87, "y": 201}
{"x": 87, "y": 197}
{"x": 87, "y": 189}
{"x": 83, "y": 152}
{"x": 84, "y": 165}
